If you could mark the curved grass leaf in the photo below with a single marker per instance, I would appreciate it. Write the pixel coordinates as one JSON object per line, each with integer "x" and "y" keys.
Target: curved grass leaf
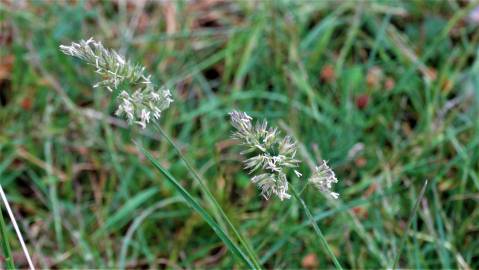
{"x": 233, "y": 247}
{"x": 217, "y": 210}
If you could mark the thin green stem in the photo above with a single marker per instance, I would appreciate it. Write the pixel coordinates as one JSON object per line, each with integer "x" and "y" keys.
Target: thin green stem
{"x": 411, "y": 217}
{"x": 316, "y": 228}
{"x": 7, "y": 252}
{"x": 211, "y": 199}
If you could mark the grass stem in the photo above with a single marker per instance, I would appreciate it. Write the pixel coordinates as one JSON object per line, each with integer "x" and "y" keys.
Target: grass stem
{"x": 211, "y": 199}
{"x": 316, "y": 228}
{"x": 220, "y": 232}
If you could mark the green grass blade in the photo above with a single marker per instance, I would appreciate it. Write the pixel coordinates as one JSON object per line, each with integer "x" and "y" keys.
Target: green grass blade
{"x": 234, "y": 248}
{"x": 316, "y": 229}
{"x": 126, "y": 210}
{"x": 7, "y": 252}
{"x": 137, "y": 222}
{"x": 411, "y": 217}
{"x": 211, "y": 200}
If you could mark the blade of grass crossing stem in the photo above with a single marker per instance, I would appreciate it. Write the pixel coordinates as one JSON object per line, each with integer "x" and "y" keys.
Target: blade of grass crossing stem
{"x": 7, "y": 252}
{"x": 316, "y": 229}
{"x": 411, "y": 217}
{"x": 211, "y": 199}
{"x": 200, "y": 210}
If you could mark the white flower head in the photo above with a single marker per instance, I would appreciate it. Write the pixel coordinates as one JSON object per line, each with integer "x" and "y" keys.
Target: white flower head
{"x": 323, "y": 179}
{"x": 139, "y": 98}
{"x": 271, "y": 154}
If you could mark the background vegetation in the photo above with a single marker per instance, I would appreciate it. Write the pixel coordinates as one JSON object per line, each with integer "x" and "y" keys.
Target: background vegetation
{"x": 386, "y": 91}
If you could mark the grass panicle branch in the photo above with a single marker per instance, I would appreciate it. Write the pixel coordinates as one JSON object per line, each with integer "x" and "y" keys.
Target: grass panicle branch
{"x": 271, "y": 155}
{"x": 323, "y": 178}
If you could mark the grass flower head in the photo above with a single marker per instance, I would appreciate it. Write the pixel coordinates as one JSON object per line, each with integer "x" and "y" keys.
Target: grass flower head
{"x": 323, "y": 179}
{"x": 139, "y": 100}
{"x": 271, "y": 154}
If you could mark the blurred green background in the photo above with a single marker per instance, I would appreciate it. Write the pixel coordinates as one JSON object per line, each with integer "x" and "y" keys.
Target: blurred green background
{"x": 384, "y": 90}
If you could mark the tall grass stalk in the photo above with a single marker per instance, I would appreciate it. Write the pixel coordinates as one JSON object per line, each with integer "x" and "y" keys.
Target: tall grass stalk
{"x": 316, "y": 228}
{"x": 17, "y": 229}
{"x": 211, "y": 200}
{"x": 234, "y": 248}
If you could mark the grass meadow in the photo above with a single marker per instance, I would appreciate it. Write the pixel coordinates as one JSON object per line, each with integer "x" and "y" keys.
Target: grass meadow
{"x": 386, "y": 91}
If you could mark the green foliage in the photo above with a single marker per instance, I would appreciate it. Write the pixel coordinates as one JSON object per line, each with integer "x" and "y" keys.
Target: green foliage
{"x": 394, "y": 81}
{"x": 7, "y": 252}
